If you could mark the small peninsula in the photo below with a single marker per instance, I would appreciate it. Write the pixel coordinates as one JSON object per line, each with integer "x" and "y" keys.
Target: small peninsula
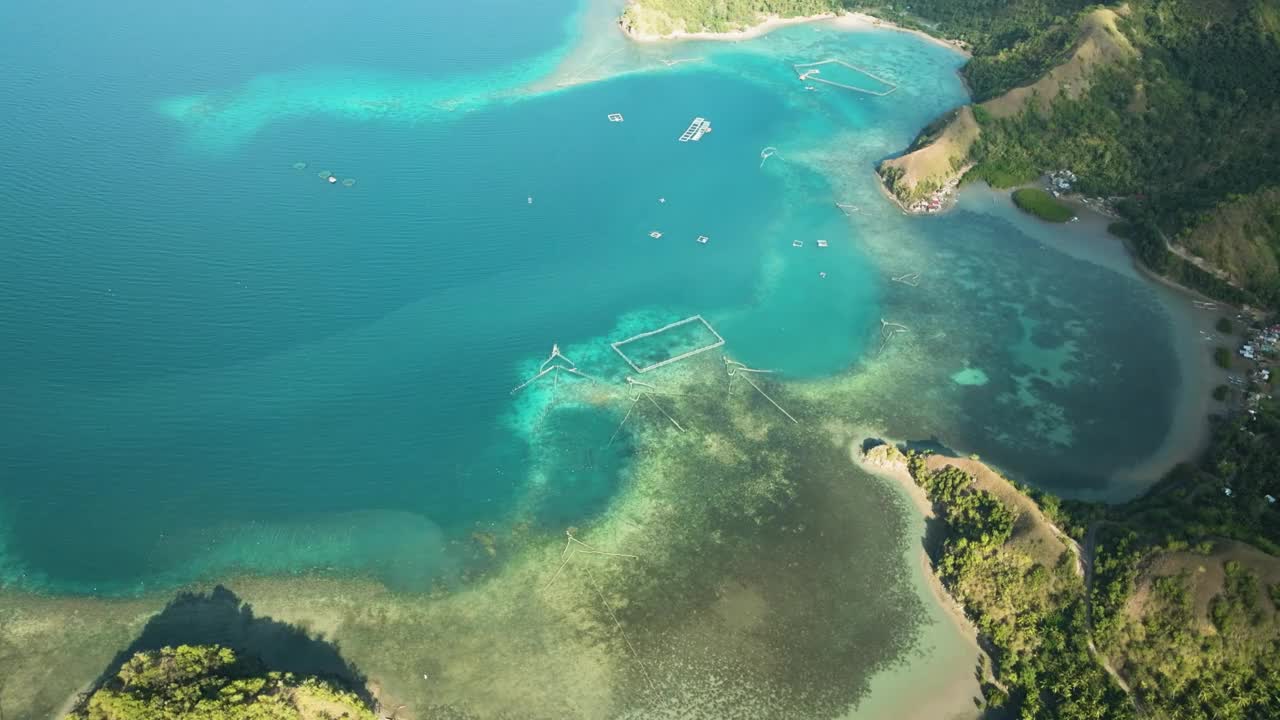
{"x": 1078, "y": 605}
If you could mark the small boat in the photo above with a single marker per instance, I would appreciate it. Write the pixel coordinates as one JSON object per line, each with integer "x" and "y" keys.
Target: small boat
{"x": 822, "y": 275}
{"x": 662, "y": 200}
{"x": 332, "y": 179}
{"x": 797, "y": 243}
{"x": 655, "y": 234}
{"x": 530, "y": 199}
{"x": 822, "y": 243}
{"x": 703, "y": 239}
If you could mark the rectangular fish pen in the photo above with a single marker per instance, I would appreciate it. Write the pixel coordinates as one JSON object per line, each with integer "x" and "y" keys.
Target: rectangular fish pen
{"x": 671, "y": 343}
{"x": 812, "y": 72}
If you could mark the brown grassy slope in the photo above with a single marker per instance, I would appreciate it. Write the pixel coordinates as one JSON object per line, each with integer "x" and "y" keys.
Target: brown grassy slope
{"x": 1033, "y": 534}
{"x": 1015, "y": 584}
{"x": 1100, "y": 43}
{"x": 942, "y": 158}
{"x": 1174, "y": 653}
{"x": 1206, "y": 576}
{"x": 1241, "y": 236}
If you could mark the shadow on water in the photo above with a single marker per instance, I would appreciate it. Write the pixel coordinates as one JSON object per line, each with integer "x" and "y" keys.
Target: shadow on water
{"x": 220, "y": 617}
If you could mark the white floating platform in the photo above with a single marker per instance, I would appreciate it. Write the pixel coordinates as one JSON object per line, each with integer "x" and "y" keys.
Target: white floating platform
{"x": 655, "y": 234}
{"x": 797, "y": 243}
{"x": 822, "y": 243}
{"x": 615, "y": 117}
{"x": 703, "y": 239}
{"x": 696, "y": 129}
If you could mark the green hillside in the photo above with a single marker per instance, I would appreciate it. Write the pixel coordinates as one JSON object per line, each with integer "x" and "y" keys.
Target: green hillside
{"x": 1184, "y": 131}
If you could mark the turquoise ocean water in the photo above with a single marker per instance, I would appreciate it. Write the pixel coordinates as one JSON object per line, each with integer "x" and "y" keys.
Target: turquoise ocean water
{"x": 213, "y": 361}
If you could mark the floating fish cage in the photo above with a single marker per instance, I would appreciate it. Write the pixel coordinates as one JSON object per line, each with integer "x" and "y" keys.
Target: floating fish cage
{"x": 696, "y": 129}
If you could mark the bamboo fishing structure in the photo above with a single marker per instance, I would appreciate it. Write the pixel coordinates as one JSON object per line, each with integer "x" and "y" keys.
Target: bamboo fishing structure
{"x": 572, "y": 547}
{"x": 643, "y": 394}
{"x": 733, "y": 369}
{"x": 888, "y": 331}
{"x": 550, "y": 366}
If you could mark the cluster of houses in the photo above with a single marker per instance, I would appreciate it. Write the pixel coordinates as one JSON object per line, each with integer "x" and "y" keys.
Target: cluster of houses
{"x": 1061, "y": 181}
{"x": 1261, "y": 349}
{"x": 933, "y": 202}
{"x": 1263, "y": 342}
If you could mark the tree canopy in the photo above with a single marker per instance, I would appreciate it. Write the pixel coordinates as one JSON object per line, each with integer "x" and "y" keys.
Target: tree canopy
{"x": 211, "y": 682}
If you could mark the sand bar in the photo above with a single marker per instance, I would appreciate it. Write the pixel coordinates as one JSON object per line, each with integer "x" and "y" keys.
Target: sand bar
{"x": 769, "y": 23}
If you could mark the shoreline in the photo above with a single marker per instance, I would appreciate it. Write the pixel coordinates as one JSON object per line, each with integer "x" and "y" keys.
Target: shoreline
{"x": 764, "y": 27}
{"x": 848, "y": 21}
{"x": 1189, "y": 431}
{"x": 861, "y": 20}
{"x": 899, "y": 475}
{"x": 955, "y": 698}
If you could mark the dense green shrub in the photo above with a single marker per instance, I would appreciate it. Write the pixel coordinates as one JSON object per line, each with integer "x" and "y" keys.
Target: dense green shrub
{"x": 1042, "y": 205}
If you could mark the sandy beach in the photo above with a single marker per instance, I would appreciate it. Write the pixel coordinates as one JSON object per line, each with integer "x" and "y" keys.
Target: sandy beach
{"x": 765, "y": 26}
{"x": 858, "y": 21}
{"x": 844, "y": 21}
{"x": 898, "y": 474}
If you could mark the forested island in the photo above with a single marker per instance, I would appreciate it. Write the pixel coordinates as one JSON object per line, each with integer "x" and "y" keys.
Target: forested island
{"x": 1163, "y": 114}
{"x": 212, "y": 682}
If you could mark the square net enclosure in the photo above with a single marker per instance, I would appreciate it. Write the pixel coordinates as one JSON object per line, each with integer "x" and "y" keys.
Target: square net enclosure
{"x": 844, "y": 75}
{"x": 668, "y": 344}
